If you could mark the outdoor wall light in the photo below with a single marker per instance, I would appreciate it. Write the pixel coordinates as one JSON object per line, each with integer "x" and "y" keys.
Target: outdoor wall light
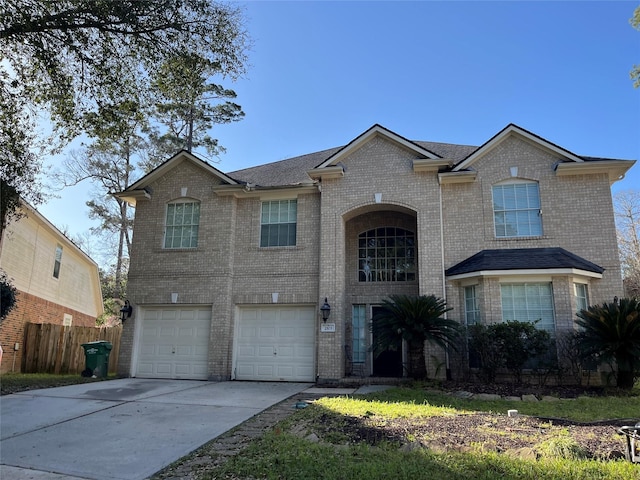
{"x": 325, "y": 310}
{"x": 125, "y": 311}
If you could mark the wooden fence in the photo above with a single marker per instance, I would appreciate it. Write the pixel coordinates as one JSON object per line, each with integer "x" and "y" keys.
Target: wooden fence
{"x": 50, "y": 348}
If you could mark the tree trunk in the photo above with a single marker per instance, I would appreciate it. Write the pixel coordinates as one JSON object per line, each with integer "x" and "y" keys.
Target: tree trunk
{"x": 190, "y": 130}
{"x": 417, "y": 361}
{"x": 118, "y": 287}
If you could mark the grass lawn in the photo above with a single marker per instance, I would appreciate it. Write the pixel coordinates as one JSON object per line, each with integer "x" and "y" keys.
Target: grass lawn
{"x": 20, "y": 382}
{"x": 390, "y": 435}
{"x": 376, "y": 437}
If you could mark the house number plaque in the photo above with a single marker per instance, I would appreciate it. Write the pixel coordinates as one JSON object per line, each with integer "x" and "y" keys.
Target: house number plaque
{"x": 328, "y": 327}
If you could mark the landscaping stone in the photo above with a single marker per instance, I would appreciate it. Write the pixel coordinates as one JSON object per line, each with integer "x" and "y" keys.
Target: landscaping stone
{"x": 312, "y": 437}
{"x": 524, "y": 453}
{"x": 462, "y": 394}
{"x": 412, "y": 447}
{"x": 487, "y": 396}
{"x": 530, "y": 398}
{"x": 549, "y": 398}
{"x": 512, "y": 398}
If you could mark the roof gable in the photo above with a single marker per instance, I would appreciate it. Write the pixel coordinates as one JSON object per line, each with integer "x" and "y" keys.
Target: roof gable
{"x": 138, "y": 189}
{"x": 427, "y": 160}
{"x": 164, "y": 167}
{"x": 507, "y": 132}
{"x": 374, "y": 131}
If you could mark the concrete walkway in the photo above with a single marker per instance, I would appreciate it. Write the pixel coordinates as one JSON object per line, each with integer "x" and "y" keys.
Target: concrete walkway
{"x": 122, "y": 429}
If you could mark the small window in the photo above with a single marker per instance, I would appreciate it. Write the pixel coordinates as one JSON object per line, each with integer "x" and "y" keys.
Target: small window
{"x": 278, "y": 223}
{"x": 516, "y": 210}
{"x": 471, "y": 305}
{"x": 582, "y": 296}
{"x": 183, "y": 220}
{"x": 528, "y": 302}
{"x": 57, "y": 262}
{"x": 359, "y": 329}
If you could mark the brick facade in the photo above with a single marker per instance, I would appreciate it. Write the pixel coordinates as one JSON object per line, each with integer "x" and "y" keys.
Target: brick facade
{"x": 53, "y": 278}
{"x": 377, "y": 185}
{"x": 32, "y": 309}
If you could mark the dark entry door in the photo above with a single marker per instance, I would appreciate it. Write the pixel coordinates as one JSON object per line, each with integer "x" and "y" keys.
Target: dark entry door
{"x": 389, "y": 362}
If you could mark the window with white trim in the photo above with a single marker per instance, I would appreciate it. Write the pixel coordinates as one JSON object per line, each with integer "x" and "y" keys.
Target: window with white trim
{"x": 359, "y": 331}
{"x": 582, "y": 296}
{"x": 471, "y": 305}
{"x": 528, "y": 302}
{"x": 182, "y": 224}
{"x": 57, "y": 262}
{"x": 278, "y": 223}
{"x": 516, "y": 210}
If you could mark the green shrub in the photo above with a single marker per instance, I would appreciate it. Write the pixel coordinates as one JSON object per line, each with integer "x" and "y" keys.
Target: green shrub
{"x": 8, "y": 298}
{"x": 611, "y": 333}
{"x": 512, "y": 345}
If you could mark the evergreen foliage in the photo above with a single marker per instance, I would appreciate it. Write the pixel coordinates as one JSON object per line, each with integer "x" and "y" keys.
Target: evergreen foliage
{"x": 611, "y": 333}
{"x": 416, "y": 320}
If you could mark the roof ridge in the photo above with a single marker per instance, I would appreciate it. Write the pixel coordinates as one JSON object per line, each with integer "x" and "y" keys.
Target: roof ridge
{"x": 285, "y": 159}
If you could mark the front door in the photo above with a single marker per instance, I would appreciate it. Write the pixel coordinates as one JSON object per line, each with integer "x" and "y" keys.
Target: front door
{"x": 389, "y": 362}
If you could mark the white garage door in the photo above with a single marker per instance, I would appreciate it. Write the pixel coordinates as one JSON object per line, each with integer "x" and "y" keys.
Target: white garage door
{"x": 174, "y": 343}
{"x": 276, "y": 344}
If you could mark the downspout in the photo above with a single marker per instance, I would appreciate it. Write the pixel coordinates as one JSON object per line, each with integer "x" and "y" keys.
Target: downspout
{"x": 444, "y": 283}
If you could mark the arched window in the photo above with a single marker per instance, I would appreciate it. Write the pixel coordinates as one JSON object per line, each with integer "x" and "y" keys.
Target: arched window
{"x": 516, "y": 209}
{"x": 182, "y": 223}
{"x": 387, "y": 254}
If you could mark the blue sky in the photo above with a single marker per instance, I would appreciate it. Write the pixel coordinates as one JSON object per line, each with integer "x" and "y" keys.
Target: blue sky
{"x": 321, "y": 73}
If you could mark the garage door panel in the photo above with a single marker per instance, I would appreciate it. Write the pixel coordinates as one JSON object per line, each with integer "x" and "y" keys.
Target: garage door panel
{"x": 304, "y": 351}
{"x": 265, "y": 351}
{"x": 248, "y": 332}
{"x": 275, "y": 344}
{"x": 166, "y": 350}
{"x": 246, "y": 371}
{"x": 265, "y": 371}
{"x": 202, "y": 351}
{"x": 166, "y": 331}
{"x": 287, "y": 332}
{"x": 266, "y": 333}
{"x": 166, "y": 314}
{"x": 285, "y": 371}
{"x": 246, "y": 351}
{"x": 174, "y": 343}
{"x": 286, "y": 352}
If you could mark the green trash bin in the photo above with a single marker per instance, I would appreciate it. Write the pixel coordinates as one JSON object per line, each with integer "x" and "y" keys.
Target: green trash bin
{"x": 96, "y": 358}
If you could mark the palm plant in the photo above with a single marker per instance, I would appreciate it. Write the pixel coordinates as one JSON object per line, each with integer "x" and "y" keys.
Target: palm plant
{"x": 611, "y": 332}
{"x": 416, "y": 320}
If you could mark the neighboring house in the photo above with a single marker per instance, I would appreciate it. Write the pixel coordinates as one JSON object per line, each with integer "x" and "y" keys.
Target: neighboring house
{"x": 56, "y": 282}
{"x": 229, "y": 271}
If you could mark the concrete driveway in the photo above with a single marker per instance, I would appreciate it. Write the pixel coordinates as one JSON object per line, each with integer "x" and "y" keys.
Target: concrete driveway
{"x": 122, "y": 429}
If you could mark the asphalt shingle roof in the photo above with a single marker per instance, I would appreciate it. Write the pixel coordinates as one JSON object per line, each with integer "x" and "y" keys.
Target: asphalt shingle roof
{"x": 522, "y": 259}
{"x": 293, "y": 171}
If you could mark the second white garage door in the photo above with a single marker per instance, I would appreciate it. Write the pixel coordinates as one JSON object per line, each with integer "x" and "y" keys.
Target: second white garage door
{"x": 275, "y": 344}
{"x": 174, "y": 343}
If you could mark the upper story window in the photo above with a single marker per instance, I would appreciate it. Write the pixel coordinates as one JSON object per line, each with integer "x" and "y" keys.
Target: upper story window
{"x": 57, "y": 262}
{"x": 516, "y": 210}
{"x": 528, "y": 302}
{"x": 387, "y": 254}
{"x": 278, "y": 223}
{"x": 471, "y": 305}
{"x": 181, "y": 228}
